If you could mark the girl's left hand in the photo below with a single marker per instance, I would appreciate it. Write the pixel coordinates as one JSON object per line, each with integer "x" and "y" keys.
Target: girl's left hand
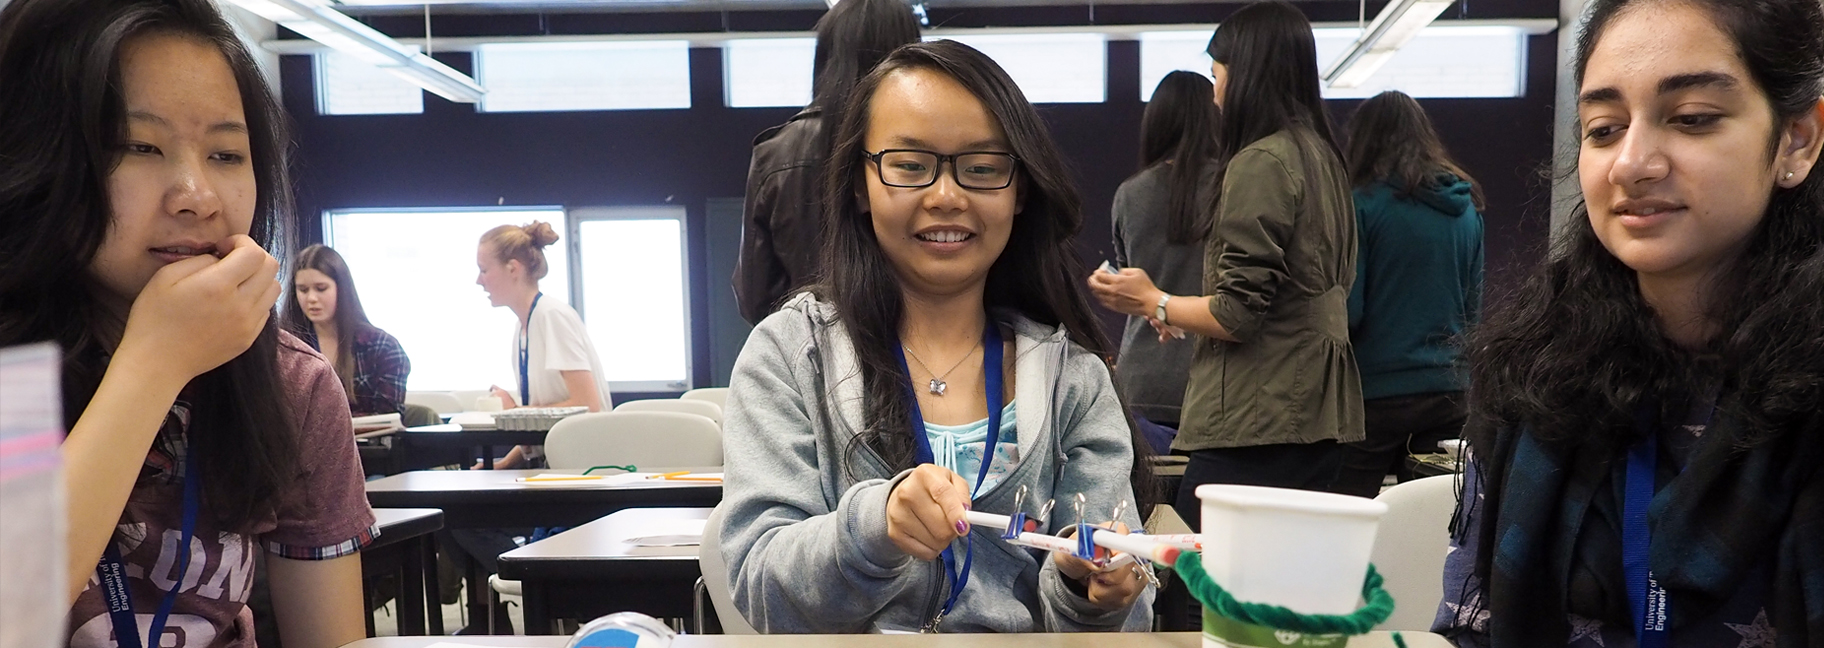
{"x": 1131, "y": 292}
{"x": 1110, "y": 590}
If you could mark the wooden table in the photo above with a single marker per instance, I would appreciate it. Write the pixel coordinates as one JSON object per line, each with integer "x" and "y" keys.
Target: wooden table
{"x": 479, "y": 499}
{"x": 592, "y": 570}
{"x": 406, "y": 549}
{"x": 1061, "y": 640}
{"x": 452, "y": 436}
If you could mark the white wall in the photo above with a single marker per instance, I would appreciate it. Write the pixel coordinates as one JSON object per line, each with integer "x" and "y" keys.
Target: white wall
{"x": 1565, "y": 132}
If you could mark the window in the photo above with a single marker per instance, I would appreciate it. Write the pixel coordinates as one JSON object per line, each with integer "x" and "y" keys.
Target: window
{"x": 415, "y": 270}
{"x": 526, "y": 77}
{"x": 1443, "y": 61}
{"x": 1049, "y": 68}
{"x": 631, "y": 267}
{"x": 765, "y": 72}
{"x": 350, "y": 86}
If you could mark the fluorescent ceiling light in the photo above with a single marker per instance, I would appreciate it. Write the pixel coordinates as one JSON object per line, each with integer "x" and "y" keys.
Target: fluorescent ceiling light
{"x": 325, "y": 25}
{"x": 1398, "y": 23}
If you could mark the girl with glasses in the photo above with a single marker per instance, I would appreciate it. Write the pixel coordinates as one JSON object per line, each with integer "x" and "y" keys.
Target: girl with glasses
{"x": 948, "y": 362}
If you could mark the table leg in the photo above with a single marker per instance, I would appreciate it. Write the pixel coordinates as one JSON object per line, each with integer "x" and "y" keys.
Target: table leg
{"x": 537, "y": 613}
{"x": 433, "y": 590}
{"x": 478, "y": 595}
{"x": 411, "y": 588}
{"x": 487, "y": 457}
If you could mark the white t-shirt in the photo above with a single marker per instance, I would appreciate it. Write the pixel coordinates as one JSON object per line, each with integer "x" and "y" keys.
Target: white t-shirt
{"x": 558, "y": 343}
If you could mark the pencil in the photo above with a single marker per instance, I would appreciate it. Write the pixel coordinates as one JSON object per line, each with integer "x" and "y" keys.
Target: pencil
{"x": 708, "y": 479}
{"x": 669, "y": 475}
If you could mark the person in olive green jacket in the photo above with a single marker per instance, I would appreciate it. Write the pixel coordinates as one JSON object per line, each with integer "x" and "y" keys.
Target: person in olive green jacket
{"x": 1274, "y": 388}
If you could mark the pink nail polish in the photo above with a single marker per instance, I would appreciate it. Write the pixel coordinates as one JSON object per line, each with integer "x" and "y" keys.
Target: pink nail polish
{"x": 962, "y": 527}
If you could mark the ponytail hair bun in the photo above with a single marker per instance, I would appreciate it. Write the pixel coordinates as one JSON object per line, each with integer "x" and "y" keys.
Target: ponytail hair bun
{"x": 540, "y": 233}
{"x": 522, "y": 243}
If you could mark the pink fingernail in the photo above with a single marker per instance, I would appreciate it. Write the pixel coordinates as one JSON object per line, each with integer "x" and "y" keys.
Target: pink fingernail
{"x": 962, "y": 527}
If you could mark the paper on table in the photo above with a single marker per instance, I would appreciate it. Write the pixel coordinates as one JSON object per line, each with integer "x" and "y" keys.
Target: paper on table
{"x": 31, "y": 498}
{"x": 474, "y": 420}
{"x": 671, "y": 533}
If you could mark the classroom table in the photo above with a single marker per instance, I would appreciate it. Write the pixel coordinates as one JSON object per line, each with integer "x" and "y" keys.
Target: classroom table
{"x": 1432, "y": 465}
{"x": 406, "y": 549}
{"x": 452, "y": 436}
{"x": 476, "y": 499}
{"x": 593, "y": 570}
{"x": 1058, "y": 640}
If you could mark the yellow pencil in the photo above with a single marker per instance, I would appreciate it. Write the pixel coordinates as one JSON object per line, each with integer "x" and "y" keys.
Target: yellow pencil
{"x": 669, "y": 475}
{"x": 714, "y": 479}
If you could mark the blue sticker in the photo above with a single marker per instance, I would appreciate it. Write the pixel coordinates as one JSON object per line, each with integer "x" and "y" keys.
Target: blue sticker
{"x": 609, "y": 638}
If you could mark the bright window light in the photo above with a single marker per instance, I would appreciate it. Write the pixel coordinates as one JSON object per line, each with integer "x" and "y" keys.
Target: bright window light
{"x": 415, "y": 270}
{"x": 1049, "y": 68}
{"x": 1444, "y": 61}
{"x": 634, "y": 295}
{"x": 1162, "y": 53}
{"x": 768, "y": 72}
{"x": 349, "y": 86}
{"x": 531, "y": 77}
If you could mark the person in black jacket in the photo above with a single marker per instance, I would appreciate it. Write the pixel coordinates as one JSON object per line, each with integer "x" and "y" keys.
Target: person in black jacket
{"x": 781, "y": 234}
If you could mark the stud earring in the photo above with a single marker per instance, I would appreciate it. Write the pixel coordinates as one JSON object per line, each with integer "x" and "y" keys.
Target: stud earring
{"x": 1788, "y": 175}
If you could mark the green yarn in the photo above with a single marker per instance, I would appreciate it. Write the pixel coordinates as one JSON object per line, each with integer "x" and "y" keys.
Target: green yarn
{"x": 1218, "y": 600}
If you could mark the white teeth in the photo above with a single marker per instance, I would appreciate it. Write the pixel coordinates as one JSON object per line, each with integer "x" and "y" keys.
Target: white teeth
{"x": 945, "y": 236}
{"x": 182, "y": 250}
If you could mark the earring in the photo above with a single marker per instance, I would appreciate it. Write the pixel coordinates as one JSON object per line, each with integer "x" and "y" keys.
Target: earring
{"x": 1788, "y": 175}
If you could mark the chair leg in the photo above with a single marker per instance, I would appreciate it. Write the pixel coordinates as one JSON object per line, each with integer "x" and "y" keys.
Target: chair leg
{"x": 697, "y": 594}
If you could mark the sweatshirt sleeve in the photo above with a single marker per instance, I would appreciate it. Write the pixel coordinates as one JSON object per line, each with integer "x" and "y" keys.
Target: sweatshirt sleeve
{"x": 1098, "y": 453}
{"x": 1260, "y": 198}
{"x": 779, "y": 534}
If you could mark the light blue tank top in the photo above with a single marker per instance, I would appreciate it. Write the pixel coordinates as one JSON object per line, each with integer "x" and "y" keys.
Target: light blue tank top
{"x": 959, "y": 448}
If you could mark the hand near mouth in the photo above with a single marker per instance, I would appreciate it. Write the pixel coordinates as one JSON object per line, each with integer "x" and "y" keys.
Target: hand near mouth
{"x": 198, "y": 313}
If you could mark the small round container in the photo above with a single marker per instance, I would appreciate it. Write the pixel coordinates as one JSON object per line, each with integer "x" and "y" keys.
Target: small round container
{"x": 623, "y": 630}
{"x": 1304, "y": 550}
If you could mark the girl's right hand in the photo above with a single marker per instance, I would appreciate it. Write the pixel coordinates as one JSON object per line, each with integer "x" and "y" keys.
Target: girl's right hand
{"x": 925, "y": 511}
{"x": 197, "y": 314}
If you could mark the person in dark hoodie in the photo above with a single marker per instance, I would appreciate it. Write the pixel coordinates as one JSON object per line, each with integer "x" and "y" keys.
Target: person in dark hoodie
{"x": 782, "y": 222}
{"x": 1418, "y": 286}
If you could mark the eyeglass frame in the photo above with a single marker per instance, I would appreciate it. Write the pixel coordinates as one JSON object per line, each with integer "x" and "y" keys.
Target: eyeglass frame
{"x": 941, "y": 160}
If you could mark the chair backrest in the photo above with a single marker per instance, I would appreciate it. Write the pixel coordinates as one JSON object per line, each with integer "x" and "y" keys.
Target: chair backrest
{"x": 1410, "y": 547}
{"x": 701, "y": 408}
{"x": 715, "y": 577}
{"x": 468, "y": 396}
{"x": 717, "y": 395}
{"x": 649, "y": 440}
{"x": 440, "y": 402}
{"x": 416, "y": 415}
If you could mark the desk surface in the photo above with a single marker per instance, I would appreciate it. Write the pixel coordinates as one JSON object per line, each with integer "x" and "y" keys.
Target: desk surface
{"x": 1063, "y": 640}
{"x": 493, "y": 498}
{"x": 600, "y": 549}
{"x": 401, "y": 524}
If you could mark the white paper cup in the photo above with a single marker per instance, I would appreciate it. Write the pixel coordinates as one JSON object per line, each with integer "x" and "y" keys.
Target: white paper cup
{"x": 488, "y": 403}
{"x": 1303, "y": 550}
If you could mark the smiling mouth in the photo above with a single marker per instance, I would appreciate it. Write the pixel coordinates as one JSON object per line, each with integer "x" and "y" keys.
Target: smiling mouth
{"x": 945, "y": 236}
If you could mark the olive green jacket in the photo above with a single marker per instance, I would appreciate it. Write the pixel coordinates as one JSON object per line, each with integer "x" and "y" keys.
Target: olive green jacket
{"x": 1278, "y": 268}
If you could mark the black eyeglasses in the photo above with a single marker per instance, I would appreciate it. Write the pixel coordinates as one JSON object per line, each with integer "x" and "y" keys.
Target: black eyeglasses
{"x": 912, "y": 168}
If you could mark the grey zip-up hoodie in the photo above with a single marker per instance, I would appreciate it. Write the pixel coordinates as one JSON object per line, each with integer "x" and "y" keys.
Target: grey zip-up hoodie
{"x": 806, "y": 540}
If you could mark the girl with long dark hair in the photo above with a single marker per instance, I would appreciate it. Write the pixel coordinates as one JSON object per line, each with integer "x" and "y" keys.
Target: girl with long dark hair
{"x": 949, "y": 362}
{"x": 1648, "y": 446}
{"x": 782, "y": 218}
{"x": 1161, "y": 216}
{"x": 1273, "y": 387}
{"x": 144, "y": 171}
{"x": 326, "y": 312}
{"x": 1418, "y": 287}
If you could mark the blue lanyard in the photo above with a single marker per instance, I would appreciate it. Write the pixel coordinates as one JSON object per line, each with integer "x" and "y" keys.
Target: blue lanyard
{"x": 113, "y": 571}
{"x": 991, "y": 370}
{"x": 525, "y": 354}
{"x": 1650, "y": 603}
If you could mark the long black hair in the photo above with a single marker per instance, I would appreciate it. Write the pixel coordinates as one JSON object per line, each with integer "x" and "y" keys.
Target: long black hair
{"x": 1271, "y": 56}
{"x": 350, "y": 319}
{"x": 1179, "y": 126}
{"x": 851, "y": 39}
{"x": 1391, "y": 140}
{"x": 1578, "y": 350}
{"x": 1038, "y": 275}
{"x": 62, "y": 124}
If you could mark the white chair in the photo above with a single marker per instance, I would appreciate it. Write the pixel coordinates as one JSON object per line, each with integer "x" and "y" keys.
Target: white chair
{"x": 1410, "y": 548}
{"x": 442, "y": 402}
{"x": 715, "y": 580}
{"x": 649, "y": 440}
{"x": 717, "y": 395}
{"x": 468, "y": 396}
{"x": 701, "y": 408}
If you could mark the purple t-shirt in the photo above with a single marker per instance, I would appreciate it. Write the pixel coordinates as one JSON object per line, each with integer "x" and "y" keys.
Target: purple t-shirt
{"x": 325, "y": 516}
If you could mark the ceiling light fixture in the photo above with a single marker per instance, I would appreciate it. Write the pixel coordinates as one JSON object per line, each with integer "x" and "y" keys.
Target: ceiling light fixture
{"x": 1398, "y": 23}
{"x": 325, "y": 25}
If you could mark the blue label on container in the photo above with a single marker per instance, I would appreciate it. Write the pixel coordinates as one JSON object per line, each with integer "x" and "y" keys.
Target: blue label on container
{"x": 608, "y": 638}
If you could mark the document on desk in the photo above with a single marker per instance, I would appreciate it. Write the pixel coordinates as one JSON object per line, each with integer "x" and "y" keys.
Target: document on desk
{"x": 670, "y": 533}
{"x": 31, "y": 498}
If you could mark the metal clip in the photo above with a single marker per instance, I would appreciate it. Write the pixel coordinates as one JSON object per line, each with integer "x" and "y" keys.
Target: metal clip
{"x": 1044, "y": 514}
{"x": 931, "y": 626}
{"x": 1120, "y": 507}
